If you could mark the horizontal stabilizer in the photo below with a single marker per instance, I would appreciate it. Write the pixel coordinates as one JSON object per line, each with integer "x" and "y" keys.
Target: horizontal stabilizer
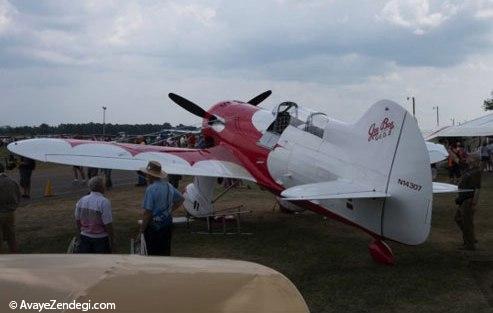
{"x": 447, "y": 188}
{"x": 444, "y": 188}
{"x": 336, "y": 189}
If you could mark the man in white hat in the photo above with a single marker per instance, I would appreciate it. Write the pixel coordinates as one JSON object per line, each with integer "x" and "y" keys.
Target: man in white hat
{"x": 160, "y": 200}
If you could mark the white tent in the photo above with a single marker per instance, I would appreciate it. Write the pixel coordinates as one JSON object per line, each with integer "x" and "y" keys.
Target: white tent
{"x": 480, "y": 127}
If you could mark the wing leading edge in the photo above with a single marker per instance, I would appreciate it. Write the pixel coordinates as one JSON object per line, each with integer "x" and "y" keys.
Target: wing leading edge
{"x": 218, "y": 161}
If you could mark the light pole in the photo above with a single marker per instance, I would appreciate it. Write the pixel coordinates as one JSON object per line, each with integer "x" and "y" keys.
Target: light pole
{"x": 104, "y": 120}
{"x": 414, "y": 105}
{"x": 438, "y": 115}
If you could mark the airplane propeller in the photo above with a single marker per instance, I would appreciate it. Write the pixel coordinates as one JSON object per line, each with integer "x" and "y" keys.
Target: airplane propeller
{"x": 188, "y": 105}
{"x": 261, "y": 97}
{"x": 197, "y": 110}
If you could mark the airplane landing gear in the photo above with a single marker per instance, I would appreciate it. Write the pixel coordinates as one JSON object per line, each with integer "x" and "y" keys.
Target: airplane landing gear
{"x": 381, "y": 252}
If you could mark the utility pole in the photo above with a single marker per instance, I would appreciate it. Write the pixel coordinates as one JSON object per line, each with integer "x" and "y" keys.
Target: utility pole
{"x": 104, "y": 120}
{"x": 414, "y": 105}
{"x": 438, "y": 115}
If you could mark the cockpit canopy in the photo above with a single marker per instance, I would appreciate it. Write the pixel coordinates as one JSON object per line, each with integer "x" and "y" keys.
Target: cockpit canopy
{"x": 290, "y": 113}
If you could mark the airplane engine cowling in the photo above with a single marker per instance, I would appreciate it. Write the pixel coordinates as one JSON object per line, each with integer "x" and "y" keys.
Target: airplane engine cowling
{"x": 198, "y": 196}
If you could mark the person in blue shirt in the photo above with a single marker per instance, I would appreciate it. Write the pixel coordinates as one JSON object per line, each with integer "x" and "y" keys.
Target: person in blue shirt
{"x": 160, "y": 200}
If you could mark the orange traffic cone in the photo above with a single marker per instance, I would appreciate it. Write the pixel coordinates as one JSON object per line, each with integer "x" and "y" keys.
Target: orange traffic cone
{"x": 48, "y": 189}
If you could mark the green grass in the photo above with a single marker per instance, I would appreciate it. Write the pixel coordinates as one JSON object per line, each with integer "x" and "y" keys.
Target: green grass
{"x": 326, "y": 260}
{"x": 4, "y": 152}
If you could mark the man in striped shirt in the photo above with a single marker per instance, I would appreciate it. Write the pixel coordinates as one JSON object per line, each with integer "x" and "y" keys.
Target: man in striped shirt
{"x": 94, "y": 219}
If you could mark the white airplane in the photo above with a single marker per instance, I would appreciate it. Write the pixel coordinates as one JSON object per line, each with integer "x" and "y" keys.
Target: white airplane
{"x": 373, "y": 174}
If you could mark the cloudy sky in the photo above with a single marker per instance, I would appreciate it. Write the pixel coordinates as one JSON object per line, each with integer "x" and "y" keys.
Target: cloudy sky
{"x": 60, "y": 61}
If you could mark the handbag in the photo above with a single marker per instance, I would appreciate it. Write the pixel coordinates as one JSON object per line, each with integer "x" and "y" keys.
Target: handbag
{"x": 138, "y": 246}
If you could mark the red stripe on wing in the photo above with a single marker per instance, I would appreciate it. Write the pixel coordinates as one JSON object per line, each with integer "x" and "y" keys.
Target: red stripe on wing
{"x": 192, "y": 156}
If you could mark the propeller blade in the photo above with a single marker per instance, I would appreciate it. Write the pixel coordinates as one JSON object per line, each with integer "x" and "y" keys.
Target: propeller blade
{"x": 188, "y": 105}
{"x": 261, "y": 97}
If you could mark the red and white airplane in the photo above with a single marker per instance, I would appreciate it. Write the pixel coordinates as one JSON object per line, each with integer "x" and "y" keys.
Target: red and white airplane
{"x": 373, "y": 174}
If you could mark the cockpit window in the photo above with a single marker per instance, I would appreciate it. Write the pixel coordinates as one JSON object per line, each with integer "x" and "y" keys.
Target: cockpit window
{"x": 290, "y": 113}
{"x": 316, "y": 123}
{"x": 284, "y": 112}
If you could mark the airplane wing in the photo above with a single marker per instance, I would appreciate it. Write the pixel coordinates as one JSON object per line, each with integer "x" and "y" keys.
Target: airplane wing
{"x": 218, "y": 161}
{"x": 335, "y": 189}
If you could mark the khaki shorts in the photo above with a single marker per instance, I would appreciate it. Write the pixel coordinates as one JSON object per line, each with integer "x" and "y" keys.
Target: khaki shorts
{"x": 7, "y": 226}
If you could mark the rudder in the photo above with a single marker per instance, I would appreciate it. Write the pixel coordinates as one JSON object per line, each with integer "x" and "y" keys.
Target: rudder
{"x": 404, "y": 169}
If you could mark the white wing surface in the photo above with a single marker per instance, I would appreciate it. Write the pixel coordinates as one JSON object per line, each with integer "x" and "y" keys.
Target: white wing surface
{"x": 218, "y": 161}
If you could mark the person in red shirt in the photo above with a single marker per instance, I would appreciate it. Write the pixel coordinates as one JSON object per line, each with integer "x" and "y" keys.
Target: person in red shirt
{"x": 462, "y": 154}
{"x": 453, "y": 164}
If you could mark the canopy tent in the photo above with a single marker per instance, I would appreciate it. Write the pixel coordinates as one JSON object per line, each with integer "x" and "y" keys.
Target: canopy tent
{"x": 147, "y": 284}
{"x": 480, "y": 127}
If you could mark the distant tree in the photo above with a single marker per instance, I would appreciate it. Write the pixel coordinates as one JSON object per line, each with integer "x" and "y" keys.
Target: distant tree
{"x": 44, "y": 128}
{"x": 488, "y": 103}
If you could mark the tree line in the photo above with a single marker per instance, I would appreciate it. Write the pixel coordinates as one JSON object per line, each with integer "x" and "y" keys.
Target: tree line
{"x": 488, "y": 103}
{"x": 89, "y": 129}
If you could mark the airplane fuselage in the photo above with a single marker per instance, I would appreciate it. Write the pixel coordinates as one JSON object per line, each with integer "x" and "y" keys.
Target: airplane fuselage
{"x": 303, "y": 154}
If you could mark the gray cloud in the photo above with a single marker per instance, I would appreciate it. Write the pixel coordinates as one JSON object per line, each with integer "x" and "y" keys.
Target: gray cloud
{"x": 223, "y": 34}
{"x": 71, "y": 55}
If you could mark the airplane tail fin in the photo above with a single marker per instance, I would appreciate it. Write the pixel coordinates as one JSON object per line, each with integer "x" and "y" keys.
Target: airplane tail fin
{"x": 389, "y": 156}
{"x": 398, "y": 151}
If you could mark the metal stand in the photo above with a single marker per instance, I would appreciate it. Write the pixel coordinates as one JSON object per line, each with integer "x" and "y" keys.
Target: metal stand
{"x": 236, "y": 212}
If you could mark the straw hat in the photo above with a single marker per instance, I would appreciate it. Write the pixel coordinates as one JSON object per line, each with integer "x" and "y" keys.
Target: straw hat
{"x": 153, "y": 169}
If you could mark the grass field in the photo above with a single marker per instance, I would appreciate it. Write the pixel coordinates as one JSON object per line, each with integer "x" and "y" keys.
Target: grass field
{"x": 3, "y": 152}
{"x": 326, "y": 260}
